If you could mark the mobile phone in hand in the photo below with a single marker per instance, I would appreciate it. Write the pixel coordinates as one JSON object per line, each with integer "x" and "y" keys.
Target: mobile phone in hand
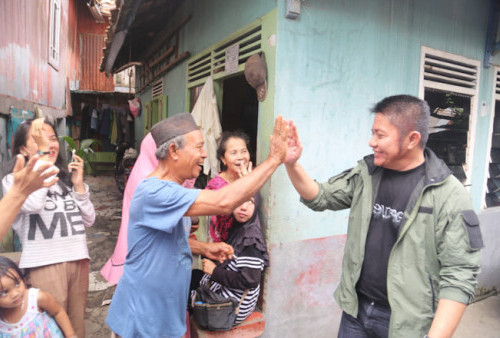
{"x": 72, "y": 158}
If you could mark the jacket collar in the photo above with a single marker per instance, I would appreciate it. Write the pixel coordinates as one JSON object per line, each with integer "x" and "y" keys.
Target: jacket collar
{"x": 435, "y": 168}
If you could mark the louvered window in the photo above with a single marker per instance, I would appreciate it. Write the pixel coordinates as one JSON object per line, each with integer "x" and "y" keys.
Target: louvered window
{"x": 493, "y": 184}
{"x": 449, "y": 84}
{"x": 157, "y": 89}
{"x": 213, "y": 60}
{"x": 439, "y": 71}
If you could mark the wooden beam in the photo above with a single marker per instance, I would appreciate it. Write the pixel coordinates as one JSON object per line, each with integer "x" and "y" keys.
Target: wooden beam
{"x": 163, "y": 37}
{"x": 161, "y": 57}
{"x": 174, "y": 62}
{"x": 127, "y": 65}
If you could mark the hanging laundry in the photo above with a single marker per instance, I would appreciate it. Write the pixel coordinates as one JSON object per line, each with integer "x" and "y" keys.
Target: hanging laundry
{"x": 206, "y": 116}
{"x": 114, "y": 129}
{"x": 86, "y": 118}
{"x": 105, "y": 125}
{"x": 94, "y": 120}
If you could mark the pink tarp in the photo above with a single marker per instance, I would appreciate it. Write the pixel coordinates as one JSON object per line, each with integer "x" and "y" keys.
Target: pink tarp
{"x": 145, "y": 164}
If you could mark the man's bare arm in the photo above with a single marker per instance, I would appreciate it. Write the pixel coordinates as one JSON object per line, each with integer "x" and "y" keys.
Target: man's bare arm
{"x": 448, "y": 315}
{"x": 225, "y": 200}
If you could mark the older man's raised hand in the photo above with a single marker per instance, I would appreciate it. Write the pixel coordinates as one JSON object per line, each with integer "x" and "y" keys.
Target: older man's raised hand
{"x": 279, "y": 139}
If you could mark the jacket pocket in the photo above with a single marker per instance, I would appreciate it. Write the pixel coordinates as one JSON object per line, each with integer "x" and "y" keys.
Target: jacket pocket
{"x": 473, "y": 231}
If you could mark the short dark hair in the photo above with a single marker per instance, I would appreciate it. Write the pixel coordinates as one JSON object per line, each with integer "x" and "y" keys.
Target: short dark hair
{"x": 5, "y": 266}
{"x": 221, "y": 149}
{"x": 407, "y": 113}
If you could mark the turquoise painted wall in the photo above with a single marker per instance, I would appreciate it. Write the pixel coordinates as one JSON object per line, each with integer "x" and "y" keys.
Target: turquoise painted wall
{"x": 341, "y": 57}
{"x": 332, "y": 64}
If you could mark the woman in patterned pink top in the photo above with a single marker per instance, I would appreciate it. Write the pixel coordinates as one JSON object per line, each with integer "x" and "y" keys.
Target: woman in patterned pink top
{"x": 235, "y": 162}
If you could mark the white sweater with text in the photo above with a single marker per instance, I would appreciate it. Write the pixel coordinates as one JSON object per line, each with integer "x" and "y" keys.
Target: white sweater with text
{"x": 51, "y": 226}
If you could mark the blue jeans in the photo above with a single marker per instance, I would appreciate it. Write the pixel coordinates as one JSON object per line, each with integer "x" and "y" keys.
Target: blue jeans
{"x": 372, "y": 322}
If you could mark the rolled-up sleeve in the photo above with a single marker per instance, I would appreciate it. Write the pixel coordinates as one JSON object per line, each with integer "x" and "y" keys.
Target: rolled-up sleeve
{"x": 458, "y": 248}
{"x": 85, "y": 205}
{"x": 336, "y": 193}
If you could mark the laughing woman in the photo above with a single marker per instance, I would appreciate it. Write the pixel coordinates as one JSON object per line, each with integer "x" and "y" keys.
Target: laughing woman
{"x": 234, "y": 158}
{"x": 51, "y": 224}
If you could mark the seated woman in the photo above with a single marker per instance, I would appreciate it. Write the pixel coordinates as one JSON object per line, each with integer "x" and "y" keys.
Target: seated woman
{"x": 234, "y": 158}
{"x": 244, "y": 270}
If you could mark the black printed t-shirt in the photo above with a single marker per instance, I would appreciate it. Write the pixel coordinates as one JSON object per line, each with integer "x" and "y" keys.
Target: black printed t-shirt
{"x": 387, "y": 215}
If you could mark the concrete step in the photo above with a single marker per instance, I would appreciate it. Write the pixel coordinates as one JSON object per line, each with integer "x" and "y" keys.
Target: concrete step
{"x": 251, "y": 327}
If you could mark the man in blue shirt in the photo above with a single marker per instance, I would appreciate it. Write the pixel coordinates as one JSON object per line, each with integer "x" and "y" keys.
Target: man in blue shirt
{"x": 151, "y": 297}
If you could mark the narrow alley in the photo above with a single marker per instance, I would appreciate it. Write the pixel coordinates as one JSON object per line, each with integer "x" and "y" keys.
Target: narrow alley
{"x": 101, "y": 239}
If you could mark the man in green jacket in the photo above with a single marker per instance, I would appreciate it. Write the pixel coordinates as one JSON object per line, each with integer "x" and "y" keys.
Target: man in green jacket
{"x": 412, "y": 251}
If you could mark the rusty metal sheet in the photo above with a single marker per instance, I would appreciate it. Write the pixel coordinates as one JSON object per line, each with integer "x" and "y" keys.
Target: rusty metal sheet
{"x": 91, "y": 78}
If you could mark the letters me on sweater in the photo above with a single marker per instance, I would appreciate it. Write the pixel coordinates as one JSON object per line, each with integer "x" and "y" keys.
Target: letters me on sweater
{"x": 51, "y": 225}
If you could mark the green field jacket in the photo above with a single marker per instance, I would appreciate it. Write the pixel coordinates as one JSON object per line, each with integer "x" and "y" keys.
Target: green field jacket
{"x": 436, "y": 254}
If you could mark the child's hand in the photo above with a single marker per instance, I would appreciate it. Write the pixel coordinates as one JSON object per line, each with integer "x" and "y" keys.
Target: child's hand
{"x": 208, "y": 266}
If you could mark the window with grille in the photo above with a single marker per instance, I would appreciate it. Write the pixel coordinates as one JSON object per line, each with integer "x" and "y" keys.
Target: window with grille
{"x": 449, "y": 83}
{"x": 213, "y": 60}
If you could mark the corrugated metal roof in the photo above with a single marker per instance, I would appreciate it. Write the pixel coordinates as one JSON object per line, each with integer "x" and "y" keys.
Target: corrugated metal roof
{"x": 134, "y": 25}
{"x": 90, "y": 54}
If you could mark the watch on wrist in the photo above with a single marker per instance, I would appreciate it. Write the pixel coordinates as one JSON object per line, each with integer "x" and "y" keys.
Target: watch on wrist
{"x": 41, "y": 153}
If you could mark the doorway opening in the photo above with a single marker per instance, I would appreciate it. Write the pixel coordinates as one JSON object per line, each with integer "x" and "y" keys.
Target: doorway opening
{"x": 240, "y": 110}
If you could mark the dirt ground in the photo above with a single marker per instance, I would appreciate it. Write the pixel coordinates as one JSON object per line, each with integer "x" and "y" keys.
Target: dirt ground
{"x": 101, "y": 240}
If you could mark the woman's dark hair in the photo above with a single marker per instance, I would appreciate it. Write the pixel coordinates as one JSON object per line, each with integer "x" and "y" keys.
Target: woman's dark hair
{"x": 64, "y": 175}
{"x": 20, "y": 139}
{"x": 221, "y": 149}
{"x": 6, "y": 267}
